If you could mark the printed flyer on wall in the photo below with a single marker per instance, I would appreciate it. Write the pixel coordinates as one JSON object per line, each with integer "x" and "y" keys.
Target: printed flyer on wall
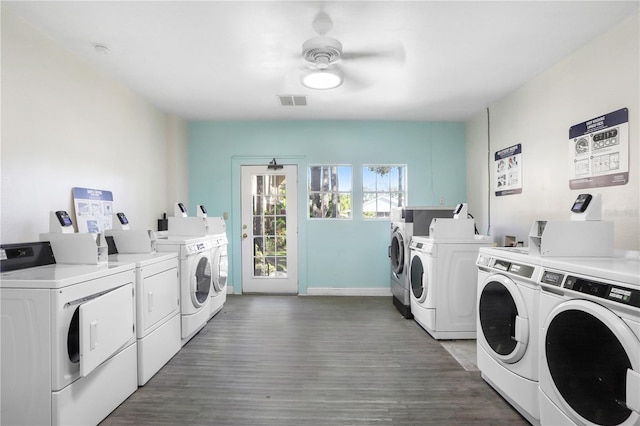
{"x": 508, "y": 170}
{"x": 94, "y": 208}
{"x": 599, "y": 151}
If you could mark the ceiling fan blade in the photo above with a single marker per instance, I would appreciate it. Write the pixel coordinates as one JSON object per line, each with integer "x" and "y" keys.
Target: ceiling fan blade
{"x": 353, "y": 80}
{"x": 396, "y": 54}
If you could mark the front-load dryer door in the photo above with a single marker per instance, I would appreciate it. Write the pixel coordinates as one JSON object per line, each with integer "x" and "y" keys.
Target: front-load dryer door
{"x": 397, "y": 252}
{"x": 593, "y": 359}
{"x": 503, "y": 318}
{"x": 418, "y": 277}
{"x": 222, "y": 269}
{"x": 106, "y": 324}
{"x": 201, "y": 281}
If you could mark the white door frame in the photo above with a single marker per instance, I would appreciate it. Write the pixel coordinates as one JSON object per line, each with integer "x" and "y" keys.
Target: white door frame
{"x": 253, "y": 282}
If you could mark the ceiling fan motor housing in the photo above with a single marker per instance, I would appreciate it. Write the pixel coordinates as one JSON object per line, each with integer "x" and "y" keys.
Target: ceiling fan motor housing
{"x": 322, "y": 51}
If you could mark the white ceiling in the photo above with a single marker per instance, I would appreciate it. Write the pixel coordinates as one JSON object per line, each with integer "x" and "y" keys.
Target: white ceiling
{"x": 228, "y": 60}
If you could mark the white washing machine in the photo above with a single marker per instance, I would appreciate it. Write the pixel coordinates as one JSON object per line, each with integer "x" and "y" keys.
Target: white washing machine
{"x": 157, "y": 309}
{"x": 590, "y": 341}
{"x": 407, "y": 222}
{"x": 196, "y": 280}
{"x": 157, "y": 294}
{"x": 216, "y": 231}
{"x": 443, "y": 285}
{"x": 507, "y": 323}
{"x": 68, "y": 338}
{"x": 220, "y": 273}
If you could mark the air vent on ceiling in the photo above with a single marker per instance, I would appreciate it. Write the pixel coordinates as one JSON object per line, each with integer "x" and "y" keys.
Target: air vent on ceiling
{"x": 292, "y": 100}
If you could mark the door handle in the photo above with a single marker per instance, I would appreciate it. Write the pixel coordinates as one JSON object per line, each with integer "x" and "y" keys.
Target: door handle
{"x": 244, "y": 236}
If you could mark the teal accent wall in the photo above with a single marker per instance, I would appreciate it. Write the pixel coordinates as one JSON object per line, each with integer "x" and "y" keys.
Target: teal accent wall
{"x": 332, "y": 253}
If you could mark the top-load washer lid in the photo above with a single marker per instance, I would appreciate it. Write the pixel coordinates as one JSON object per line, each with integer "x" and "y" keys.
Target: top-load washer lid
{"x": 59, "y": 275}
{"x": 143, "y": 259}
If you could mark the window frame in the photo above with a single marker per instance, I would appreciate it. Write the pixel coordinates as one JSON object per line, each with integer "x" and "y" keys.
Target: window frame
{"x": 349, "y": 193}
{"x": 376, "y": 192}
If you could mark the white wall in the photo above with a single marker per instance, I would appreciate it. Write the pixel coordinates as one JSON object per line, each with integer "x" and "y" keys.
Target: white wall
{"x": 177, "y": 163}
{"x": 66, "y": 125}
{"x": 601, "y": 77}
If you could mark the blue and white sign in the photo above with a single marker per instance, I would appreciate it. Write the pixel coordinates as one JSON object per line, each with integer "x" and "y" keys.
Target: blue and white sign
{"x": 599, "y": 151}
{"x": 508, "y": 170}
{"x": 94, "y": 209}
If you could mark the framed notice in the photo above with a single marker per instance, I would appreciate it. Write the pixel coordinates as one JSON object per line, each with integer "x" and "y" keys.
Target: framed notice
{"x": 94, "y": 209}
{"x": 599, "y": 151}
{"x": 508, "y": 171}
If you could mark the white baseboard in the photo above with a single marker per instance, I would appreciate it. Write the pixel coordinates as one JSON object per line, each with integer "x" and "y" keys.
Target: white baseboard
{"x": 353, "y": 291}
{"x": 328, "y": 291}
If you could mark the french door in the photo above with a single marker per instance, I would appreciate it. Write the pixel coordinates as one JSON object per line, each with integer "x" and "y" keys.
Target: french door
{"x": 269, "y": 229}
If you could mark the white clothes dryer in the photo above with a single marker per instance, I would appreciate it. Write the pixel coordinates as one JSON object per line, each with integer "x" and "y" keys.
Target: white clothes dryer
{"x": 590, "y": 341}
{"x": 443, "y": 285}
{"x": 196, "y": 280}
{"x": 68, "y": 338}
{"x": 220, "y": 273}
{"x": 407, "y": 222}
{"x": 157, "y": 309}
{"x": 507, "y": 324}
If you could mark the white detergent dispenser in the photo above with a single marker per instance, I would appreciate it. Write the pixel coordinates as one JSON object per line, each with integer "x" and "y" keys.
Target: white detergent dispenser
{"x": 584, "y": 235}
{"x": 74, "y": 248}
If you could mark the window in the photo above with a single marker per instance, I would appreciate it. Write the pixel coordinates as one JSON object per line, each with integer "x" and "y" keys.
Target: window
{"x": 383, "y": 187}
{"x": 329, "y": 189}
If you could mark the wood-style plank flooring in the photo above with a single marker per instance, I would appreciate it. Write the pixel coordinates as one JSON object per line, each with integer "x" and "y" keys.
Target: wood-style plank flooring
{"x": 287, "y": 360}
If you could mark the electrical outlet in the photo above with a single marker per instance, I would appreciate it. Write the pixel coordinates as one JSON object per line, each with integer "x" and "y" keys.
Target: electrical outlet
{"x": 442, "y": 201}
{"x": 225, "y": 215}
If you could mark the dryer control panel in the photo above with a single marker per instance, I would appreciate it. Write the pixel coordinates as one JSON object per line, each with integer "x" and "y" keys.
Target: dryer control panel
{"x": 597, "y": 289}
{"x": 503, "y": 265}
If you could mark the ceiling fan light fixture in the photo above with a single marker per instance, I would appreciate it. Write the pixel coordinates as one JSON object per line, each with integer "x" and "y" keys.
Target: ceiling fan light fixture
{"x": 322, "y": 79}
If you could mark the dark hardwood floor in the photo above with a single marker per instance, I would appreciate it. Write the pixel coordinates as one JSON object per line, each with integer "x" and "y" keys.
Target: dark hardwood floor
{"x": 287, "y": 360}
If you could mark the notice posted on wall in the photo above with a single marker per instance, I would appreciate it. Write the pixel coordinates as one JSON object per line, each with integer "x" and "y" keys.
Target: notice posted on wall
{"x": 599, "y": 151}
{"x": 508, "y": 170}
{"x": 94, "y": 209}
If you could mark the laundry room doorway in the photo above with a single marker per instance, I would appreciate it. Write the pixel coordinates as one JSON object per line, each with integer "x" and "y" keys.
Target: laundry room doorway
{"x": 269, "y": 229}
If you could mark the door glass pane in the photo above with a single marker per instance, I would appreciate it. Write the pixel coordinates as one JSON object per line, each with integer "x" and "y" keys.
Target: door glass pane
{"x": 270, "y": 225}
{"x": 258, "y": 266}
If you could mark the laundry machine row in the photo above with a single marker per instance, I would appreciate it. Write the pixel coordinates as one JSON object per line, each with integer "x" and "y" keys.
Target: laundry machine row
{"x": 407, "y": 222}
{"x": 157, "y": 296}
{"x": 559, "y": 323}
{"x": 220, "y": 265}
{"x": 443, "y": 278}
{"x": 69, "y": 353}
{"x": 195, "y": 271}
{"x": 213, "y": 229}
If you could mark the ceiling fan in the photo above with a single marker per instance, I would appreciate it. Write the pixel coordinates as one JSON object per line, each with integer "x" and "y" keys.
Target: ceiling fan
{"x": 322, "y": 53}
